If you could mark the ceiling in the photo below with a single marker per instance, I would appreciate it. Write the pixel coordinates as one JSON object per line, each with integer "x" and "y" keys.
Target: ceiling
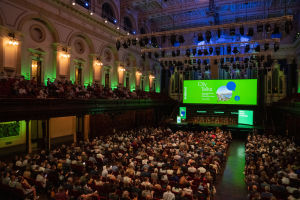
{"x": 175, "y": 14}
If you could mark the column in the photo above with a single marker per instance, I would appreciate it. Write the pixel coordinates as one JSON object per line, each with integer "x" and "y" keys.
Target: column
{"x": 86, "y": 127}
{"x": 28, "y": 137}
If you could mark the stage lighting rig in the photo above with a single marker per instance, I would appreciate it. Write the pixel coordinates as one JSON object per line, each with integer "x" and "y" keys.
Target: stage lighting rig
{"x": 232, "y": 31}
{"x": 188, "y": 52}
{"x": 200, "y": 52}
{"x": 242, "y": 30}
{"x": 266, "y": 46}
{"x": 208, "y": 36}
{"x": 194, "y": 51}
{"x": 250, "y": 32}
{"x": 257, "y": 48}
{"x": 200, "y": 37}
{"x": 247, "y": 48}
{"x": 228, "y": 49}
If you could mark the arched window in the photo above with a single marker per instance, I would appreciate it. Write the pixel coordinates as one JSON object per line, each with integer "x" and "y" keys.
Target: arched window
{"x": 108, "y": 13}
{"x": 127, "y": 24}
{"x": 142, "y": 30}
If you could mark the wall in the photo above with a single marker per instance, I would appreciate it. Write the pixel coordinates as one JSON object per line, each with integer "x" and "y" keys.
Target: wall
{"x": 62, "y": 126}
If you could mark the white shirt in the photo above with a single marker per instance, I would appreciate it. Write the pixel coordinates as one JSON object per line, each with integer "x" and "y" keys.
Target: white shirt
{"x": 168, "y": 196}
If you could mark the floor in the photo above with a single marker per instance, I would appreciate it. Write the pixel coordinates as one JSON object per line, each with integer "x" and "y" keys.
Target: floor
{"x": 231, "y": 185}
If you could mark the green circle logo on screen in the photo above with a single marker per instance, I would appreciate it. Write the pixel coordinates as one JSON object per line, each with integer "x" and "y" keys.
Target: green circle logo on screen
{"x": 224, "y": 93}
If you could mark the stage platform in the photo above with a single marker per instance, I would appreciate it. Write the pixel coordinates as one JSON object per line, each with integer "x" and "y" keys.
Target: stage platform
{"x": 233, "y": 127}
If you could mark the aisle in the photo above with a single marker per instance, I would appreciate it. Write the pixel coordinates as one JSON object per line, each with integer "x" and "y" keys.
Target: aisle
{"x": 232, "y": 185}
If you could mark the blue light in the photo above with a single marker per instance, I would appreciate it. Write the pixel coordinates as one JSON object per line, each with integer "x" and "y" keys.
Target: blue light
{"x": 86, "y": 4}
{"x": 115, "y": 21}
{"x": 133, "y": 32}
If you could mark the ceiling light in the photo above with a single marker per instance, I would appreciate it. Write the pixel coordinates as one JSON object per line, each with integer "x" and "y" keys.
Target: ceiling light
{"x": 105, "y": 21}
{"x": 91, "y": 13}
{"x": 73, "y": 3}
{"x": 118, "y": 28}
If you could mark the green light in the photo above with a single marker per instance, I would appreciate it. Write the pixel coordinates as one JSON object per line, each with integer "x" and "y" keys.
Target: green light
{"x": 234, "y": 113}
{"x": 182, "y": 112}
{"x": 218, "y": 112}
{"x": 245, "y": 117}
{"x": 201, "y": 111}
{"x": 178, "y": 120}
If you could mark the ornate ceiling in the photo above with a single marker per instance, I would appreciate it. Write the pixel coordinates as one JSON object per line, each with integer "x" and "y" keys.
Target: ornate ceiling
{"x": 174, "y": 14}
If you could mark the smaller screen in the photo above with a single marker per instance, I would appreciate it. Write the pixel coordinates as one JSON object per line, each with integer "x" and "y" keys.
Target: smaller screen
{"x": 245, "y": 117}
{"x": 182, "y": 112}
{"x": 178, "y": 119}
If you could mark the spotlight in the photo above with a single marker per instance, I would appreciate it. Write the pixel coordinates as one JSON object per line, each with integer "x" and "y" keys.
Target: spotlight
{"x": 173, "y": 39}
{"x": 199, "y": 52}
{"x": 115, "y": 21}
{"x": 235, "y": 50}
{"x": 228, "y": 49}
{"x": 207, "y": 36}
{"x": 173, "y": 54}
{"x": 260, "y": 28}
{"x": 247, "y": 48}
{"x": 181, "y": 39}
{"x": 288, "y": 26}
{"x": 118, "y": 45}
{"x": 276, "y": 46}
{"x": 188, "y": 52}
{"x": 276, "y": 29}
{"x": 268, "y": 28}
{"x": 153, "y": 41}
{"x": 194, "y": 51}
{"x": 232, "y": 31}
{"x": 211, "y": 50}
{"x": 73, "y": 3}
{"x": 86, "y": 4}
{"x": 257, "y": 48}
{"x": 177, "y": 52}
{"x": 266, "y": 46}
{"x": 200, "y": 37}
{"x": 205, "y": 52}
{"x": 218, "y": 50}
{"x": 199, "y": 62}
{"x": 91, "y": 13}
{"x": 133, "y": 32}
{"x": 242, "y": 30}
{"x": 250, "y": 32}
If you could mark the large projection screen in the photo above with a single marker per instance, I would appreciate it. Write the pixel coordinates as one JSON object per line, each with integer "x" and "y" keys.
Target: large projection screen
{"x": 237, "y": 91}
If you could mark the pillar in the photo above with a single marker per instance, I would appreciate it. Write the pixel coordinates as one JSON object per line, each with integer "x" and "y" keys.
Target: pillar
{"x": 28, "y": 137}
{"x": 214, "y": 69}
{"x": 86, "y": 127}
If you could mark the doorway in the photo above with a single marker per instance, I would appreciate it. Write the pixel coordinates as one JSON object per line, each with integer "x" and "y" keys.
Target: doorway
{"x": 39, "y": 136}
{"x": 78, "y": 75}
{"x": 106, "y": 80}
{"x": 36, "y": 71}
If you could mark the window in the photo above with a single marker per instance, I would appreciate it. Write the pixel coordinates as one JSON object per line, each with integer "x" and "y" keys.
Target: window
{"x": 108, "y": 13}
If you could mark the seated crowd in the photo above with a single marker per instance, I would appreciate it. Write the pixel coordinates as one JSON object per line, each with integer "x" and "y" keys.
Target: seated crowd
{"x": 272, "y": 168}
{"x": 149, "y": 163}
{"x": 20, "y": 87}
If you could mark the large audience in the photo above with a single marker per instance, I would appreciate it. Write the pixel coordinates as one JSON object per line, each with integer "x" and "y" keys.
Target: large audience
{"x": 148, "y": 163}
{"x": 272, "y": 168}
{"x": 18, "y": 86}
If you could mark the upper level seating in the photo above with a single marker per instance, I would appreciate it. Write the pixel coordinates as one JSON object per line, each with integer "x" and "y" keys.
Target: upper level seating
{"x": 19, "y": 87}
